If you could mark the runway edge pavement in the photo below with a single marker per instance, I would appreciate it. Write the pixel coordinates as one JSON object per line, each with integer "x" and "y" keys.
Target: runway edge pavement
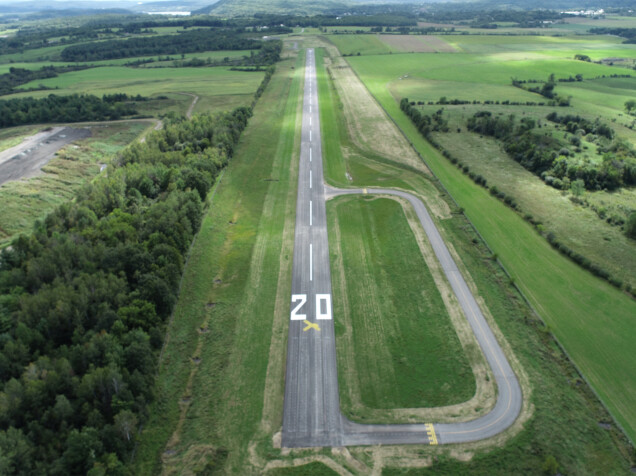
{"x": 311, "y": 412}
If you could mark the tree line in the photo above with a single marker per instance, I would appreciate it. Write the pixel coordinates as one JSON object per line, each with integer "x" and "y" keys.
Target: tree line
{"x": 72, "y": 108}
{"x": 84, "y": 301}
{"x": 17, "y": 76}
{"x": 186, "y": 42}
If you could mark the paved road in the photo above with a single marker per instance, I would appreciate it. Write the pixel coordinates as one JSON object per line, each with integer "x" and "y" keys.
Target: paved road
{"x": 311, "y": 415}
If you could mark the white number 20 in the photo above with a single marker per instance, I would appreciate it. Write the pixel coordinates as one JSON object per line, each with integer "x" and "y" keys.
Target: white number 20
{"x": 323, "y": 306}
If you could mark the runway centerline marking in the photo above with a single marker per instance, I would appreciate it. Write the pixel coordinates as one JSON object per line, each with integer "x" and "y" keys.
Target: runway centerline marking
{"x": 311, "y": 212}
{"x": 309, "y": 178}
{"x": 309, "y": 155}
{"x": 311, "y": 263}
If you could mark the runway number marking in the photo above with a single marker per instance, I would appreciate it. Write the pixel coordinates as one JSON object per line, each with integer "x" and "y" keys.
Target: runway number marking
{"x": 323, "y": 307}
{"x": 303, "y": 299}
{"x": 311, "y": 325}
{"x": 320, "y": 300}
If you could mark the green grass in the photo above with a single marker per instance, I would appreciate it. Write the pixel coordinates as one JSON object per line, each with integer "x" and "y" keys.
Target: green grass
{"x": 145, "y": 81}
{"x": 593, "y": 320}
{"x": 230, "y": 288}
{"x": 25, "y": 201}
{"x": 394, "y": 322}
{"x": 363, "y": 44}
{"x": 311, "y": 469}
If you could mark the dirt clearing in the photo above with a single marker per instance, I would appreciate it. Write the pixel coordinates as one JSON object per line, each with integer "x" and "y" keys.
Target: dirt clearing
{"x": 26, "y": 159}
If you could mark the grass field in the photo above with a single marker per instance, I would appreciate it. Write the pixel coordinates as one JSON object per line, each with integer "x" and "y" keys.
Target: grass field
{"x": 146, "y": 81}
{"x": 234, "y": 302}
{"x": 363, "y": 44}
{"x": 600, "y": 344}
{"x": 25, "y": 201}
{"x": 394, "y": 337}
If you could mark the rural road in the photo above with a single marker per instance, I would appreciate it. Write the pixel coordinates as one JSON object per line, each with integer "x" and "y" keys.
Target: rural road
{"x": 311, "y": 413}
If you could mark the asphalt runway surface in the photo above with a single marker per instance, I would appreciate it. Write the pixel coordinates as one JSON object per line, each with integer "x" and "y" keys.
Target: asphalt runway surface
{"x": 311, "y": 413}
{"x": 26, "y": 159}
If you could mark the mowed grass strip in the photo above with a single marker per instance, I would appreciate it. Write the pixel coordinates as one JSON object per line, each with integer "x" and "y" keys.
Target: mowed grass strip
{"x": 211, "y": 382}
{"x": 591, "y": 319}
{"x": 406, "y": 352}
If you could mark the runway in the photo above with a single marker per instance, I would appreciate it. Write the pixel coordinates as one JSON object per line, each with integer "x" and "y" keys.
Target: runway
{"x": 311, "y": 413}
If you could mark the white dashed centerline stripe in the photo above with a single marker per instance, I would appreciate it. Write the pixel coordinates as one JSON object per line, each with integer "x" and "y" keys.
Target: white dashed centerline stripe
{"x": 309, "y": 155}
{"x": 310, "y": 178}
{"x": 311, "y": 213}
{"x": 311, "y": 263}
{"x": 309, "y": 136}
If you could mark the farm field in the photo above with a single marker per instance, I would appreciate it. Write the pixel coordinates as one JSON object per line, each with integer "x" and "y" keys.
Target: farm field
{"x": 234, "y": 303}
{"x": 206, "y": 82}
{"x": 565, "y": 415}
{"x": 559, "y": 290}
{"x": 396, "y": 346}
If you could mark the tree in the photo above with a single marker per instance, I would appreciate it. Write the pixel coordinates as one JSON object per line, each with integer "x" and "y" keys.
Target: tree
{"x": 577, "y": 188}
{"x": 630, "y": 106}
{"x": 126, "y": 424}
{"x": 630, "y": 226}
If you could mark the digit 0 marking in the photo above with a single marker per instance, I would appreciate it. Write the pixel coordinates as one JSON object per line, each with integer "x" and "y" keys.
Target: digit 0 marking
{"x": 320, "y": 299}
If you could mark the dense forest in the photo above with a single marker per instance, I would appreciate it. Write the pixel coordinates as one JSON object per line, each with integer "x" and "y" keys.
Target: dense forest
{"x": 190, "y": 41}
{"x": 85, "y": 298}
{"x": 72, "y": 108}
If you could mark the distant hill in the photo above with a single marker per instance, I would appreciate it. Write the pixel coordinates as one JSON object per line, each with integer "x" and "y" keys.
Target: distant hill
{"x": 233, "y": 8}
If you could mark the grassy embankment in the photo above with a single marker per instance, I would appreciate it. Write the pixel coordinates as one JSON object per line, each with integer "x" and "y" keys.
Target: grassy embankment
{"x": 601, "y": 343}
{"x": 235, "y": 293}
{"x": 565, "y": 416}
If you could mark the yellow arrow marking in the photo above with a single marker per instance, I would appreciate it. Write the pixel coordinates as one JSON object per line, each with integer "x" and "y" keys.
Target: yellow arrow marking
{"x": 311, "y": 325}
